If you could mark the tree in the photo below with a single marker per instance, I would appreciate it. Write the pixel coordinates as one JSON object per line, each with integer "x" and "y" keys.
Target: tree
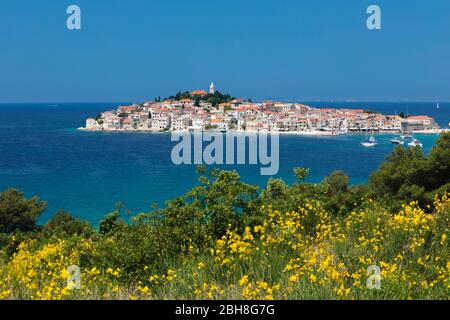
{"x": 402, "y": 166}
{"x": 111, "y": 222}
{"x": 337, "y": 182}
{"x": 63, "y": 223}
{"x": 221, "y": 202}
{"x": 407, "y": 174}
{"x": 276, "y": 189}
{"x": 17, "y": 212}
{"x": 301, "y": 174}
{"x": 439, "y": 162}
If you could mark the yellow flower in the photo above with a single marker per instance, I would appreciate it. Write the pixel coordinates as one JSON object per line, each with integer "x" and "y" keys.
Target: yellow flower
{"x": 171, "y": 275}
{"x": 293, "y": 279}
{"x": 4, "y": 294}
{"x": 200, "y": 265}
{"x": 145, "y": 290}
{"x": 443, "y": 238}
{"x": 243, "y": 281}
{"x": 342, "y": 291}
{"x": 111, "y": 271}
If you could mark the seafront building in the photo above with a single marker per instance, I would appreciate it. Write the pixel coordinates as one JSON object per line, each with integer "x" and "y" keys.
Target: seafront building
{"x": 242, "y": 115}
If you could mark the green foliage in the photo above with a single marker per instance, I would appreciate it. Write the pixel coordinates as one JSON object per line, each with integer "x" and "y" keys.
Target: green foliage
{"x": 64, "y": 224}
{"x": 343, "y": 203}
{"x": 337, "y": 182}
{"x": 333, "y": 192}
{"x": 180, "y": 95}
{"x": 407, "y": 174}
{"x": 209, "y": 126}
{"x": 17, "y": 212}
{"x": 213, "y": 98}
{"x": 439, "y": 163}
{"x": 301, "y": 174}
{"x": 371, "y": 111}
{"x": 217, "y": 98}
{"x": 222, "y": 199}
{"x": 111, "y": 222}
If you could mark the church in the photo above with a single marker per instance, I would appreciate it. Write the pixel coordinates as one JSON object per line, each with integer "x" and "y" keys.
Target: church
{"x": 212, "y": 90}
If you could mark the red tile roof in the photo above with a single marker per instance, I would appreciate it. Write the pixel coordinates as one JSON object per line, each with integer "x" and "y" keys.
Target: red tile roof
{"x": 420, "y": 118}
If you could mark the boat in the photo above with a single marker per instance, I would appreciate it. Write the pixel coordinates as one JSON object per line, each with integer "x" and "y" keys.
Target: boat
{"x": 415, "y": 143}
{"x": 398, "y": 141}
{"x": 437, "y": 106}
{"x": 406, "y": 135}
{"x": 368, "y": 144}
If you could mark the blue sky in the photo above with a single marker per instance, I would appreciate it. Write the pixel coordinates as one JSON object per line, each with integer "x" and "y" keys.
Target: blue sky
{"x": 293, "y": 49}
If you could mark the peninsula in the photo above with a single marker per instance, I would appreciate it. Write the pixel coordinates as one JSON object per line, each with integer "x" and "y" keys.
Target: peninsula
{"x": 213, "y": 111}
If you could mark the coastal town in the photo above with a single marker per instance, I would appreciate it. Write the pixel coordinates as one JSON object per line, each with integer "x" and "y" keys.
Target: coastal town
{"x": 212, "y": 111}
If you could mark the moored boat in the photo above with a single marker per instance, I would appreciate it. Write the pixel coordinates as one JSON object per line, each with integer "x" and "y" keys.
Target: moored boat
{"x": 398, "y": 141}
{"x": 368, "y": 144}
{"x": 415, "y": 143}
{"x": 406, "y": 136}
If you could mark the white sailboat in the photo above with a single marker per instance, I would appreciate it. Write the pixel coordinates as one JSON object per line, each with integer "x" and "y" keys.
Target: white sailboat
{"x": 437, "y": 106}
{"x": 369, "y": 143}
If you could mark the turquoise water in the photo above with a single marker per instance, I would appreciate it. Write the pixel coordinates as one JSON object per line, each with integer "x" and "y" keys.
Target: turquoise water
{"x": 86, "y": 173}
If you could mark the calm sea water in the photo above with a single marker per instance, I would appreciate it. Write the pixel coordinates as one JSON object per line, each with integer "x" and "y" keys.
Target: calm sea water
{"x": 86, "y": 173}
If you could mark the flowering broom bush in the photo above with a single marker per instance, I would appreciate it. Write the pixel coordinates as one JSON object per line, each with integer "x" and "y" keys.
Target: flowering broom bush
{"x": 300, "y": 254}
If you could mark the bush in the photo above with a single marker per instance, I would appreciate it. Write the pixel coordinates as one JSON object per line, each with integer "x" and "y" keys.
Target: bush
{"x": 337, "y": 182}
{"x": 408, "y": 175}
{"x": 17, "y": 212}
{"x": 64, "y": 224}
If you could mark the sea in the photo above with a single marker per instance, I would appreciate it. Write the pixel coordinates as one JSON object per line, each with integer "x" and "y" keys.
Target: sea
{"x": 88, "y": 173}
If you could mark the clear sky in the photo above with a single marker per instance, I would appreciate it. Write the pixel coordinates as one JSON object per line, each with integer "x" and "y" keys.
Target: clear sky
{"x": 281, "y": 49}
